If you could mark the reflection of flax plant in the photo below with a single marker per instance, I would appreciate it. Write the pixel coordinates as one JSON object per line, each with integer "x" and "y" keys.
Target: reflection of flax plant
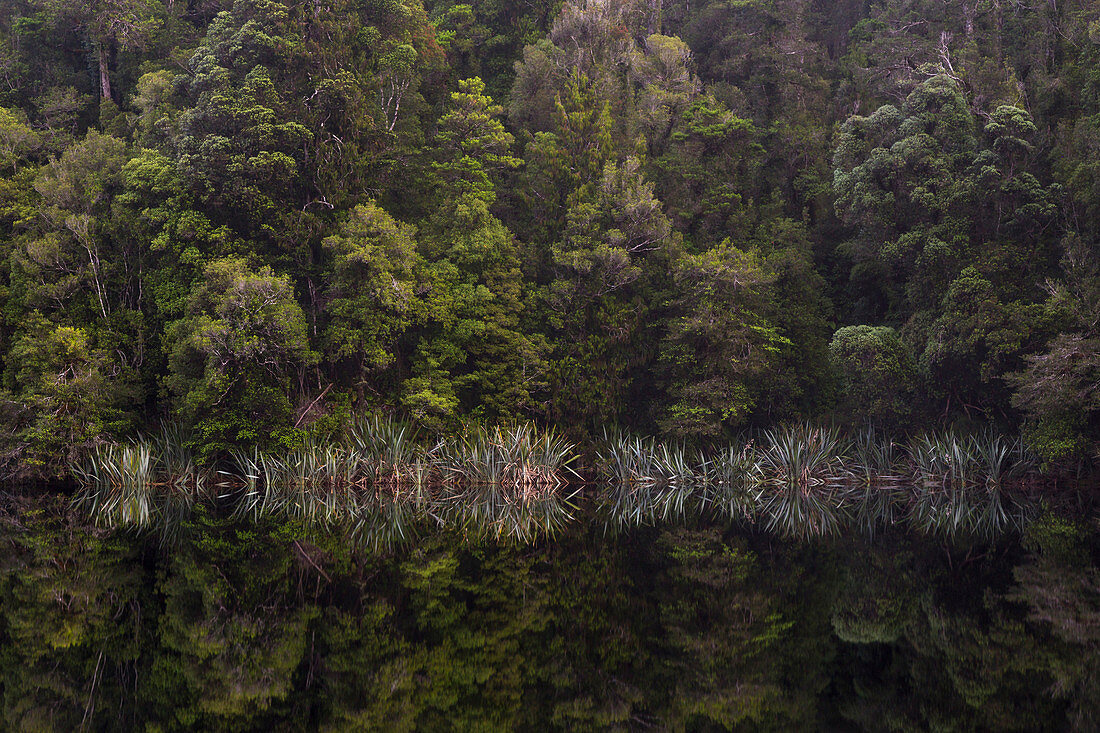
{"x": 502, "y": 482}
{"x": 384, "y": 521}
{"x": 330, "y": 484}
{"x": 646, "y": 503}
{"x": 505, "y": 482}
{"x": 805, "y": 481}
{"x": 960, "y": 484}
{"x": 873, "y": 470}
{"x": 802, "y": 494}
{"x": 647, "y": 482}
{"x": 119, "y": 485}
{"x": 732, "y": 480}
{"x": 152, "y": 482}
{"x": 380, "y": 485}
{"x": 496, "y": 511}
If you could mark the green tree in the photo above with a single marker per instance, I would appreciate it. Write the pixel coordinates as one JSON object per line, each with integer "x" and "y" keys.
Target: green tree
{"x": 233, "y": 357}
{"x": 110, "y": 25}
{"x": 1057, "y": 388}
{"x": 606, "y": 270}
{"x": 17, "y": 141}
{"x": 61, "y": 398}
{"x": 877, "y": 375}
{"x": 720, "y": 342}
{"x": 472, "y": 353}
{"x": 901, "y": 178}
{"x": 375, "y": 297}
{"x": 76, "y": 247}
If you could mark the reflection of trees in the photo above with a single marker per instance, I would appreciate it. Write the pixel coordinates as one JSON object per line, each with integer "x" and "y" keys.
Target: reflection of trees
{"x": 71, "y": 611}
{"x": 234, "y": 628}
{"x": 875, "y": 600}
{"x": 939, "y": 645}
{"x": 249, "y": 626}
{"x": 732, "y": 631}
{"x": 1061, "y": 588}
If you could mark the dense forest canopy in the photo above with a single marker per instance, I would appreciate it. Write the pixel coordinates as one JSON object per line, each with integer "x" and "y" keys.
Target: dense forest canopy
{"x": 687, "y": 219}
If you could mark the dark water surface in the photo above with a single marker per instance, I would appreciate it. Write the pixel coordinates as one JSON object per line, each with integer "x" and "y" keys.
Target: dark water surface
{"x": 696, "y": 626}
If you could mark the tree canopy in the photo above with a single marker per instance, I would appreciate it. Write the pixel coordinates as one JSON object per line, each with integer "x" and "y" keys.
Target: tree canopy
{"x": 685, "y": 219}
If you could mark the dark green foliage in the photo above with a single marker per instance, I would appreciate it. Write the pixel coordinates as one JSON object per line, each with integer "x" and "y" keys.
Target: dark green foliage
{"x": 231, "y": 359}
{"x": 251, "y": 626}
{"x": 70, "y": 396}
{"x": 659, "y": 223}
{"x": 374, "y": 297}
{"x": 720, "y": 343}
{"x": 877, "y": 375}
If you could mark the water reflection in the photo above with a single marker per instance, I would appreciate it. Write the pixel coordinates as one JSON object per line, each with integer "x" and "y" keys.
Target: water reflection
{"x": 379, "y": 483}
{"x": 273, "y": 624}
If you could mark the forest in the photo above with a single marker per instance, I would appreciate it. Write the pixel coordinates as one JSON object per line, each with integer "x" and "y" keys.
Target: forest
{"x": 261, "y": 220}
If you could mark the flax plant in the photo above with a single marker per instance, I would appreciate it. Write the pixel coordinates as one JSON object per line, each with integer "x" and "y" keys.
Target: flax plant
{"x": 380, "y": 485}
{"x": 874, "y": 470}
{"x": 960, "y": 487}
{"x": 520, "y": 457}
{"x": 118, "y": 486}
{"x": 386, "y": 452}
{"x": 648, "y": 482}
{"x": 146, "y": 484}
{"x": 803, "y": 495}
{"x": 732, "y": 481}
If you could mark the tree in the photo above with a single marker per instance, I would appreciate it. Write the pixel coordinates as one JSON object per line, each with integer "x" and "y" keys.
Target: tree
{"x": 472, "y": 353}
{"x": 720, "y": 342}
{"x": 645, "y": 79}
{"x": 1059, "y": 388}
{"x": 232, "y": 358}
{"x": 110, "y": 25}
{"x": 605, "y": 272}
{"x": 17, "y": 140}
{"x": 472, "y": 144}
{"x": 569, "y": 158}
{"x": 75, "y": 248}
{"x": 61, "y": 398}
{"x": 901, "y": 178}
{"x": 877, "y": 375}
{"x": 374, "y": 298}
{"x": 239, "y": 146}
{"x": 956, "y": 227}
{"x": 709, "y": 177}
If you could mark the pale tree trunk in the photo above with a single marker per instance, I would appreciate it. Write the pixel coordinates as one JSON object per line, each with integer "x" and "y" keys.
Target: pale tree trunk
{"x": 104, "y": 75}
{"x": 656, "y": 16}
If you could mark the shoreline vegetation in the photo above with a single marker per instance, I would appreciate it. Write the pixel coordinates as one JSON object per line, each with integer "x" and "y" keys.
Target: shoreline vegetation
{"x": 381, "y": 483}
{"x": 695, "y": 220}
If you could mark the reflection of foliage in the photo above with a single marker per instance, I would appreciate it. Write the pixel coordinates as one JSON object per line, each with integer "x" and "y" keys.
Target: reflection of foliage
{"x": 71, "y": 624}
{"x": 233, "y": 631}
{"x": 677, "y": 627}
{"x": 876, "y": 602}
{"x": 1062, "y": 590}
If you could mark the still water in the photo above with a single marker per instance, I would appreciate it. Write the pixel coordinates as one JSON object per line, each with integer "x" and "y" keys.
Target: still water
{"x": 262, "y": 625}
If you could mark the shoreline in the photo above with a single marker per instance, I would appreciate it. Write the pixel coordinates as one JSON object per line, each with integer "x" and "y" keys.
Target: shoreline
{"x": 521, "y": 482}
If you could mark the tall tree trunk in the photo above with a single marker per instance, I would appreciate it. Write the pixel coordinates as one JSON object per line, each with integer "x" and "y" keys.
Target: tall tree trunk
{"x": 104, "y": 75}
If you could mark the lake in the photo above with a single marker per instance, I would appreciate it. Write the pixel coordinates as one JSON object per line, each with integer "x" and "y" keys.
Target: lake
{"x": 245, "y": 624}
